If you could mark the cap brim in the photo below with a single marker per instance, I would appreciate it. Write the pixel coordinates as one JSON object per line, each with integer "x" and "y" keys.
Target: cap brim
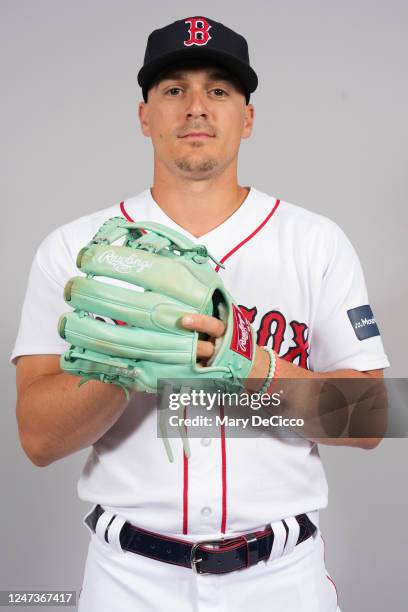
{"x": 242, "y": 71}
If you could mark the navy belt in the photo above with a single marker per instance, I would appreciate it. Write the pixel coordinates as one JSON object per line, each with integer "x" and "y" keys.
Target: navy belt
{"x": 228, "y": 554}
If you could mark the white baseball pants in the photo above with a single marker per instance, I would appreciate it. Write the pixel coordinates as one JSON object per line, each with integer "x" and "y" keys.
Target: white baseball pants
{"x": 128, "y": 582}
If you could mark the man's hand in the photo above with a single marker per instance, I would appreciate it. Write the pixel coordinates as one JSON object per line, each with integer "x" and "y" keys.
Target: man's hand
{"x": 214, "y": 328}
{"x": 209, "y": 326}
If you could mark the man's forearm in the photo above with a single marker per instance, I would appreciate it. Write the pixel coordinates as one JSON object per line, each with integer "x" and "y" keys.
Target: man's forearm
{"x": 287, "y": 370}
{"x": 57, "y": 418}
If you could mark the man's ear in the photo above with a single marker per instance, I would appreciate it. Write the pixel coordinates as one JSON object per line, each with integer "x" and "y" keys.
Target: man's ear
{"x": 249, "y": 121}
{"x": 143, "y": 113}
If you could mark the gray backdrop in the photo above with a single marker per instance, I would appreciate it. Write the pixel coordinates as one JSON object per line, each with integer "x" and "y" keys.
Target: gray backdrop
{"x": 330, "y": 135}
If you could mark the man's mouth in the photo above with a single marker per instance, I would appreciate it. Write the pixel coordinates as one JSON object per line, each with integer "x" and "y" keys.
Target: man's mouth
{"x": 196, "y": 136}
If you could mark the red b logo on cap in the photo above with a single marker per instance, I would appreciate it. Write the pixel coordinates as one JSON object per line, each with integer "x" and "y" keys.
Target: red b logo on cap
{"x": 198, "y": 31}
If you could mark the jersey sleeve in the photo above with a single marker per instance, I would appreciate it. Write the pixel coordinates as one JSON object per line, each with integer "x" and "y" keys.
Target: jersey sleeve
{"x": 344, "y": 332}
{"x": 43, "y": 304}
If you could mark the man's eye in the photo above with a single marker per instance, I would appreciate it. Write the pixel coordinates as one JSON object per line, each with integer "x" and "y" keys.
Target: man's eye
{"x": 173, "y": 91}
{"x": 219, "y": 93}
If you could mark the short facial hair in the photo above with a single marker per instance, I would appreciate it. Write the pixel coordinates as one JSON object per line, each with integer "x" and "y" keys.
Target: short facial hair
{"x": 202, "y": 166}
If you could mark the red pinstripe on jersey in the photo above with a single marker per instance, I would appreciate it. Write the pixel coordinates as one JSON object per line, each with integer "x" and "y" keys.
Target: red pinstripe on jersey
{"x": 222, "y": 432}
{"x": 185, "y": 485}
{"x": 329, "y": 578}
{"x": 223, "y": 474}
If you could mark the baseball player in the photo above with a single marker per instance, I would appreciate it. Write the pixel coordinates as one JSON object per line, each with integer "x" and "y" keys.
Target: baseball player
{"x": 234, "y": 524}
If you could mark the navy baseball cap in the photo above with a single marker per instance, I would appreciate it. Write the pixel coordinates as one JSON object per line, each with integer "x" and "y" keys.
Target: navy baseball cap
{"x": 197, "y": 38}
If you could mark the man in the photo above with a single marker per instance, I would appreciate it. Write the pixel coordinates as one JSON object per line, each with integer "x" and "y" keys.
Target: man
{"x": 299, "y": 282}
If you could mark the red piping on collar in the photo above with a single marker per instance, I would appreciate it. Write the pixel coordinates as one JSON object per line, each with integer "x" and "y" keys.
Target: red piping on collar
{"x": 124, "y": 213}
{"x": 256, "y": 230}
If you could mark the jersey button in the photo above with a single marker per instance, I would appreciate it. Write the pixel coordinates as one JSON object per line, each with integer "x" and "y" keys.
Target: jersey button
{"x": 205, "y": 441}
{"x": 206, "y": 511}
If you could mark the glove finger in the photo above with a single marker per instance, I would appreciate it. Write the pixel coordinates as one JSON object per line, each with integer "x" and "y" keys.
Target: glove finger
{"x": 136, "y": 375}
{"x": 144, "y": 309}
{"x": 123, "y": 341}
{"x": 171, "y": 275}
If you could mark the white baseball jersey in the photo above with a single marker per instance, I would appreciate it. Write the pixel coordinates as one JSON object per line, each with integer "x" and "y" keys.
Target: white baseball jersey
{"x": 299, "y": 281}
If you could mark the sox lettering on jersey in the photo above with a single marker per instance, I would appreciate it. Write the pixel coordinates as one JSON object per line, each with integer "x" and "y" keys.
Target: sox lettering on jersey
{"x": 198, "y": 31}
{"x": 298, "y": 353}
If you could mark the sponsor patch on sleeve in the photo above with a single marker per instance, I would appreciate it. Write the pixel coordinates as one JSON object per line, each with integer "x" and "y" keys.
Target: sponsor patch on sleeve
{"x": 363, "y": 322}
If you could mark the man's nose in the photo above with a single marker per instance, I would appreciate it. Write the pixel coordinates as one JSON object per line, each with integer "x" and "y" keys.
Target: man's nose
{"x": 196, "y": 104}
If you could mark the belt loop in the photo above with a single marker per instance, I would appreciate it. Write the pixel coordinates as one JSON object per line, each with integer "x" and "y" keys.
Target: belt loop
{"x": 114, "y": 530}
{"x": 314, "y": 517}
{"x": 102, "y": 525}
{"x": 293, "y": 534}
{"x": 252, "y": 549}
{"x": 87, "y": 518}
{"x": 279, "y": 537}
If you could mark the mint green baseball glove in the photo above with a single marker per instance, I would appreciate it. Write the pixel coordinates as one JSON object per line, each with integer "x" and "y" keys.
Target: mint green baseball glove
{"x": 148, "y": 342}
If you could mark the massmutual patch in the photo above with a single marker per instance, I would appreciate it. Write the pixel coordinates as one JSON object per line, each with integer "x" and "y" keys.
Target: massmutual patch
{"x": 363, "y": 322}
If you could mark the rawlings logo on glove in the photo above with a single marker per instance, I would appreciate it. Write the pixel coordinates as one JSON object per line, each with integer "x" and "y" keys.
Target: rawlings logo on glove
{"x": 123, "y": 264}
{"x": 241, "y": 336}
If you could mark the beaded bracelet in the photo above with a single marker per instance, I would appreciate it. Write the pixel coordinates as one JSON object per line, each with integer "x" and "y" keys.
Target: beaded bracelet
{"x": 272, "y": 369}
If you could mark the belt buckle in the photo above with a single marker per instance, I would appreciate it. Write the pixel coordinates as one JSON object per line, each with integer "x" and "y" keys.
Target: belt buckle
{"x": 194, "y": 561}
